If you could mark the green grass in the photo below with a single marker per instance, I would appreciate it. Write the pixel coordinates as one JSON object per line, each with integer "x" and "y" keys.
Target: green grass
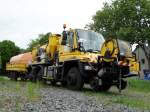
{"x": 21, "y": 90}
{"x": 26, "y": 89}
{"x": 32, "y": 91}
{"x": 139, "y": 85}
{"x": 137, "y": 95}
{"x": 3, "y": 78}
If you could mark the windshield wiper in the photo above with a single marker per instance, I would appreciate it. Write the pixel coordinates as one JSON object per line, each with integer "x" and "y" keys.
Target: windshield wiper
{"x": 92, "y": 50}
{"x": 96, "y": 50}
{"x": 89, "y": 50}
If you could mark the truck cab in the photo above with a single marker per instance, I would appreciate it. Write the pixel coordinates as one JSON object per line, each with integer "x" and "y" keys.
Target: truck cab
{"x": 79, "y": 43}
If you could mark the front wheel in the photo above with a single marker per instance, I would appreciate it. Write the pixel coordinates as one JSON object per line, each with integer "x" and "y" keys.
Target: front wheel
{"x": 74, "y": 79}
{"x": 53, "y": 82}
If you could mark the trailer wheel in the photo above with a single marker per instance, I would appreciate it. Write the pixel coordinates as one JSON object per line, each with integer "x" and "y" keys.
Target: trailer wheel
{"x": 123, "y": 84}
{"x": 10, "y": 75}
{"x": 74, "y": 79}
{"x": 14, "y": 76}
{"x": 64, "y": 81}
{"x": 23, "y": 77}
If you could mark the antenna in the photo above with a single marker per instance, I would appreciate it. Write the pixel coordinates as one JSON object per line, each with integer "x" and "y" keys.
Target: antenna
{"x": 64, "y": 26}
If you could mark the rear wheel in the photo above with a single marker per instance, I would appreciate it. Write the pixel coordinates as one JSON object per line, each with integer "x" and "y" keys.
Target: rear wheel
{"x": 104, "y": 87}
{"x": 14, "y": 76}
{"x": 123, "y": 84}
{"x": 33, "y": 74}
{"x": 53, "y": 82}
{"x": 96, "y": 87}
{"x": 64, "y": 83}
{"x": 44, "y": 81}
{"x": 23, "y": 77}
{"x": 40, "y": 74}
{"x": 74, "y": 79}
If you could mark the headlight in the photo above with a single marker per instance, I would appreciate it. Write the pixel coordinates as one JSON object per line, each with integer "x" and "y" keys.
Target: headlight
{"x": 87, "y": 67}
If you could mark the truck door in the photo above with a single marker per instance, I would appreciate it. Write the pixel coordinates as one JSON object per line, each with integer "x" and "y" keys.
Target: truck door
{"x": 66, "y": 50}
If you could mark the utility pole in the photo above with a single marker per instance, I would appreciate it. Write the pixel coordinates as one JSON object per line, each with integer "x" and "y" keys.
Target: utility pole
{"x": 138, "y": 35}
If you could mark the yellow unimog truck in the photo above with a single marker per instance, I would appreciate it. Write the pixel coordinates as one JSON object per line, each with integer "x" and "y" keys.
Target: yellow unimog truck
{"x": 82, "y": 56}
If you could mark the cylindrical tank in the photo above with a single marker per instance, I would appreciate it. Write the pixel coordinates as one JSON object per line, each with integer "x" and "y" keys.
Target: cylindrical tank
{"x": 46, "y": 51}
{"x": 24, "y": 58}
{"x": 52, "y": 46}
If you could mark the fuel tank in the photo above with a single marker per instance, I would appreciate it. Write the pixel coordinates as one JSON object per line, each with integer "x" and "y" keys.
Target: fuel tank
{"x": 24, "y": 58}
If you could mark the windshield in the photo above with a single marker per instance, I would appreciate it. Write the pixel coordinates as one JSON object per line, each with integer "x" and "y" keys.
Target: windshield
{"x": 91, "y": 40}
{"x": 125, "y": 48}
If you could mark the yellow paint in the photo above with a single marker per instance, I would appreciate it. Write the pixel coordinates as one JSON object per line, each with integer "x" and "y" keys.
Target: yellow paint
{"x": 50, "y": 48}
{"x": 134, "y": 65}
{"x": 16, "y": 67}
{"x": 67, "y": 52}
{"x": 110, "y": 45}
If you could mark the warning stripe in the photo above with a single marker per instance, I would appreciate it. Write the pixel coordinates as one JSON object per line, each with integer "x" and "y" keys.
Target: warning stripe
{"x": 121, "y": 63}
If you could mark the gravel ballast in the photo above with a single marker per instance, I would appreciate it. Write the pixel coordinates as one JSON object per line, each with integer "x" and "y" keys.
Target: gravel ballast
{"x": 37, "y": 97}
{"x": 63, "y": 100}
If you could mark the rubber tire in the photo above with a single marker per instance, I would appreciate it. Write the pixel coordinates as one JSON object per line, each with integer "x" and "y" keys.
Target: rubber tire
{"x": 44, "y": 81}
{"x": 74, "y": 79}
{"x": 53, "y": 82}
{"x": 123, "y": 85}
{"x": 11, "y": 76}
{"x": 104, "y": 87}
{"x": 14, "y": 76}
{"x": 33, "y": 75}
{"x": 63, "y": 83}
{"x": 96, "y": 87}
{"x": 40, "y": 74}
{"x": 23, "y": 77}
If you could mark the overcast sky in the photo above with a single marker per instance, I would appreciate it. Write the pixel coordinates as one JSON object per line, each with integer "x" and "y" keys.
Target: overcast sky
{"x": 23, "y": 20}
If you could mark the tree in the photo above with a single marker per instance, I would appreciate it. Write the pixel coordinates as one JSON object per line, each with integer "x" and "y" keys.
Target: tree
{"x": 42, "y": 38}
{"x": 125, "y": 19}
{"x": 7, "y": 50}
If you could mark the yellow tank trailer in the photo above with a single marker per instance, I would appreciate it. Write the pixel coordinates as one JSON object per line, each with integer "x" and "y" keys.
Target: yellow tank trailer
{"x": 18, "y": 66}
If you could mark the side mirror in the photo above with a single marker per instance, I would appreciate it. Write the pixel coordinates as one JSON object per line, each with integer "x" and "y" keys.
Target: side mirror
{"x": 80, "y": 46}
{"x": 64, "y": 38}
